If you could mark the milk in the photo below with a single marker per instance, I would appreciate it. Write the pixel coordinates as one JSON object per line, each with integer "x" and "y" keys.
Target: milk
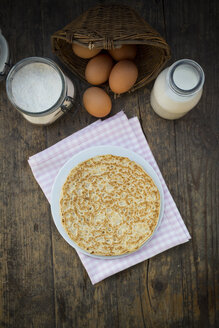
{"x": 177, "y": 89}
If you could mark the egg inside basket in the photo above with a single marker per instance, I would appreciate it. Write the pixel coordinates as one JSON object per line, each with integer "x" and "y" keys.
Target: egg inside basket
{"x": 109, "y": 27}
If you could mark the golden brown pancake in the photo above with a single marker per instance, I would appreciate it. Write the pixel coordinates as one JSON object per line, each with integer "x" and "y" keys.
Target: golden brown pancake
{"x": 109, "y": 205}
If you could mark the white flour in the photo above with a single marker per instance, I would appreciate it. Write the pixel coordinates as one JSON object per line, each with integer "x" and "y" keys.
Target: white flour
{"x": 36, "y": 87}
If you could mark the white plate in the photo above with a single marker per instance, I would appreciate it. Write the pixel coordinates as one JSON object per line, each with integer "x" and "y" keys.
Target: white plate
{"x": 82, "y": 156}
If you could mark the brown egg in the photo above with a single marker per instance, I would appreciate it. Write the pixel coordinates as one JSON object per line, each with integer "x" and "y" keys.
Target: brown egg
{"x": 98, "y": 69}
{"x": 84, "y": 52}
{"x": 127, "y": 51}
{"x": 123, "y": 76}
{"x": 97, "y": 102}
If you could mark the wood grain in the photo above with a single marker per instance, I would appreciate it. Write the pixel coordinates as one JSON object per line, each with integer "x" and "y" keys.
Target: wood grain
{"x": 42, "y": 281}
{"x": 25, "y": 223}
{"x": 196, "y": 151}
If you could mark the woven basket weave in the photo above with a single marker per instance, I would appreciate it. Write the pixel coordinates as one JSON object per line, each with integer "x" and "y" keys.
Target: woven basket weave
{"x": 107, "y": 27}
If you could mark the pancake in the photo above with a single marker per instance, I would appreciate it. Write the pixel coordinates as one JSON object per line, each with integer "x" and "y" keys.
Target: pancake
{"x": 109, "y": 205}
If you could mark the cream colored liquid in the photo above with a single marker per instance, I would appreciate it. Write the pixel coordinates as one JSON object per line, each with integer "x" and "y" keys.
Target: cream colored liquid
{"x": 167, "y": 103}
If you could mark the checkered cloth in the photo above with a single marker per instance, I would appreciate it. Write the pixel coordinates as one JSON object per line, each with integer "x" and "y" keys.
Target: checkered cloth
{"x": 119, "y": 131}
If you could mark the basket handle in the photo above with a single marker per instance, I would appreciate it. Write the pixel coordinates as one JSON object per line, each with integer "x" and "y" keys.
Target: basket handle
{"x": 108, "y": 43}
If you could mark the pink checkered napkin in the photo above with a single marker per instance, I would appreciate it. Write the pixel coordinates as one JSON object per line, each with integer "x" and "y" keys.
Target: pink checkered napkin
{"x": 118, "y": 131}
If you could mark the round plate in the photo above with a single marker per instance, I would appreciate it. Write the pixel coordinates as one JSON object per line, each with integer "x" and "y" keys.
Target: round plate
{"x": 83, "y": 156}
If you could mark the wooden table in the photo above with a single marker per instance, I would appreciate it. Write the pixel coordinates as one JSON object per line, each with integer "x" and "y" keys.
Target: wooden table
{"x": 43, "y": 283}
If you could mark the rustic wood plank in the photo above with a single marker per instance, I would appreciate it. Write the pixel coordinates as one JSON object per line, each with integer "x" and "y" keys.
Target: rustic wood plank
{"x": 196, "y": 151}
{"x": 26, "y": 262}
{"x": 156, "y": 290}
{"x": 161, "y": 277}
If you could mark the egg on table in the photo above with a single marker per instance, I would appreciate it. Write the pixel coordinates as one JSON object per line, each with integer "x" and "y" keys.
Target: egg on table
{"x": 123, "y": 76}
{"x": 98, "y": 69}
{"x": 126, "y": 51}
{"x": 84, "y": 52}
{"x": 97, "y": 102}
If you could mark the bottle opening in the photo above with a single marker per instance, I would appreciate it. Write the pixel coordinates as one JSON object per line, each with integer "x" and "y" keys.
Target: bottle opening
{"x": 186, "y": 77}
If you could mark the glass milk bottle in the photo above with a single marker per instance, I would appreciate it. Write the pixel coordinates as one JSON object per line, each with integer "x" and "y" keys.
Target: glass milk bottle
{"x": 177, "y": 89}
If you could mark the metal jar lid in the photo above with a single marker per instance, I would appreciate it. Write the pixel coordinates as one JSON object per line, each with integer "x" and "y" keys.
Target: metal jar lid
{"x": 4, "y": 57}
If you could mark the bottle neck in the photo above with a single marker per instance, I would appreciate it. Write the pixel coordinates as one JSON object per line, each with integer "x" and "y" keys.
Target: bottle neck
{"x": 185, "y": 77}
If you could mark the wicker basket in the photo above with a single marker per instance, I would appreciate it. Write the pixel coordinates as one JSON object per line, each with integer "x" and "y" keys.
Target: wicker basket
{"x": 107, "y": 27}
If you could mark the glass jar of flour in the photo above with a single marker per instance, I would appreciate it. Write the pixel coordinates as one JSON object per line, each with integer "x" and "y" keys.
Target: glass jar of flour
{"x": 36, "y": 87}
{"x": 177, "y": 89}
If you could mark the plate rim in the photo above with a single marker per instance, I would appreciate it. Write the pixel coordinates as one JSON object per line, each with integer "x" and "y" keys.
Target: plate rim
{"x": 89, "y": 153}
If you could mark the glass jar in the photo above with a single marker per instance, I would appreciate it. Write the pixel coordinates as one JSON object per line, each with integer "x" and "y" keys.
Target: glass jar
{"x": 36, "y": 87}
{"x": 4, "y": 56}
{"x": 177, "y": 89}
